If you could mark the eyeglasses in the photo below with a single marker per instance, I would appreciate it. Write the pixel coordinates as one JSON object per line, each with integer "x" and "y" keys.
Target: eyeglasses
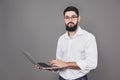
{"x": 74, "y": 17}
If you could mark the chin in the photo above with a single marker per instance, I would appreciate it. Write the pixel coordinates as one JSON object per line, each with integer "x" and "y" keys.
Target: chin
{"x": 71, "y": 26}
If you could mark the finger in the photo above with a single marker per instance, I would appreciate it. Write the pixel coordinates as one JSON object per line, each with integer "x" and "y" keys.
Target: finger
{"x": 53, "y": 62}
{"x": 37, "y": 66}
{"x": 55, "y": 65}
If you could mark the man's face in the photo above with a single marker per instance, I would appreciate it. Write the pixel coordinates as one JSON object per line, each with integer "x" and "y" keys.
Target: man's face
{"x": 71, "y": 20}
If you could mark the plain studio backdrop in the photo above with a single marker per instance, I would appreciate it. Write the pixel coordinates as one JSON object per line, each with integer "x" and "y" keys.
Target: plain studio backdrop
{"x": 35, "y": 26}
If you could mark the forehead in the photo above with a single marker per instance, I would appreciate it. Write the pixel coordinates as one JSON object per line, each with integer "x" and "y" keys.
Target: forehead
{"x": 70, "y": 13}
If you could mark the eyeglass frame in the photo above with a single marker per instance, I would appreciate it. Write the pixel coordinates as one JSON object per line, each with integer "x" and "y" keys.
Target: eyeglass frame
{"x": 73, "y": 17}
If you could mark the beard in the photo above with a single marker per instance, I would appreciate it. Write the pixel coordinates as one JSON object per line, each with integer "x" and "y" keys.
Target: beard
{"x": 73, "y": 28}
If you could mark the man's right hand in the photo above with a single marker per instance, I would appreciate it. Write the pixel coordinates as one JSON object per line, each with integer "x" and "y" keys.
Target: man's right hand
{"x": 37, "y": 66}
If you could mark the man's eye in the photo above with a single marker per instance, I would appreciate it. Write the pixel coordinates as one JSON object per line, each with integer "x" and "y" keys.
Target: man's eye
{"x": 74, "y": 16}
{"x": 67, "y": 17}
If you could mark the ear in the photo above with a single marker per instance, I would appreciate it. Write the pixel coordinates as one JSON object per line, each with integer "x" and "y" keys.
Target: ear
{"x": 78, "y": 18}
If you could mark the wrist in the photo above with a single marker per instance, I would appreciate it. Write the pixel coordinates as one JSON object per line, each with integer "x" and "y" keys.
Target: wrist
{"x": 71, "y": 65}
{"x": 66, "y": 64}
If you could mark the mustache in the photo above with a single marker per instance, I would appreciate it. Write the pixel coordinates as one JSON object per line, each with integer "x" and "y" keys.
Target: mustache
{"x": 70, "y": 23}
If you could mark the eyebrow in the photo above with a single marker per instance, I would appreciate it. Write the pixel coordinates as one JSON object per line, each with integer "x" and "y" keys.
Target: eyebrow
{"x": 72, "y": 15}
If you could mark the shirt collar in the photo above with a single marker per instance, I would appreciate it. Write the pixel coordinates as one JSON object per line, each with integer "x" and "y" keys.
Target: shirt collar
{"x": 79, "y": 32}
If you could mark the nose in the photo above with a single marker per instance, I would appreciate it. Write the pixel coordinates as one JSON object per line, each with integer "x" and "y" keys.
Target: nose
{"x": 70, "y": 19}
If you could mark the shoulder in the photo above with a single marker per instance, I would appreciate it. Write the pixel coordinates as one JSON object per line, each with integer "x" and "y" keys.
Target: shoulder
{"x": 61, "y": 37}
{"x": 88, "y": 35}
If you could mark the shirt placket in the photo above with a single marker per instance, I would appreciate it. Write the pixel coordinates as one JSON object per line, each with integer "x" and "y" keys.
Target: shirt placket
{"x": 69, "y": 54}
{"x": 69, "y": 49}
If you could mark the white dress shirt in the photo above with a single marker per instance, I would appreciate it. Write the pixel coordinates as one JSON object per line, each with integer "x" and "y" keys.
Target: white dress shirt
{"x": 82, "y": 49}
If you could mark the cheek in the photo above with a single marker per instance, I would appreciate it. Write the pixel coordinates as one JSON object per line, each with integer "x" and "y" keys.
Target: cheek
{"x": 75, "y": 22}
{"x": 66, "y": 22}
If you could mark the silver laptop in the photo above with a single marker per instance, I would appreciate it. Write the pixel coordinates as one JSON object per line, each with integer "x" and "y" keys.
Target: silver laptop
{"x": 42, "y": 65}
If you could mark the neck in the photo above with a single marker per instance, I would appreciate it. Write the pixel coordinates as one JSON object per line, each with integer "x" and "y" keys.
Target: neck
{"x": 71, "y": 34}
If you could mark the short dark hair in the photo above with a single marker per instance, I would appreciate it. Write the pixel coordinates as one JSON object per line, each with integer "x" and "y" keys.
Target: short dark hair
{"x": 71, "y": 8}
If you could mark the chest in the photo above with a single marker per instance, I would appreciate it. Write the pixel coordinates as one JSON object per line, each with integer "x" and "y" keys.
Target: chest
{"x": 73, "y": 45}
{"x": 73, "y": 49}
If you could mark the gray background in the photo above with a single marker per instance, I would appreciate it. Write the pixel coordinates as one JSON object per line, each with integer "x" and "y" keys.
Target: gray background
{"x": 35, "y": 25}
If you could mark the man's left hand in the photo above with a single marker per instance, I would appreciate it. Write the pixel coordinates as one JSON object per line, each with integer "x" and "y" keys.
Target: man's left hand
{"x": 58, "y": 63}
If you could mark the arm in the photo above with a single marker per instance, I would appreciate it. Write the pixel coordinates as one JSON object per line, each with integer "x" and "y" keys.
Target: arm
{"x": 91, "y": 55}
{"x": 90, "y": 61}
{"x": 60, "y": 63}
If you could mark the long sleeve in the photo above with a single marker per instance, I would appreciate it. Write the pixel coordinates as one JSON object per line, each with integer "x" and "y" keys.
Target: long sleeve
{"x": 91, "y": 55}
{"x": 58, "y": 51}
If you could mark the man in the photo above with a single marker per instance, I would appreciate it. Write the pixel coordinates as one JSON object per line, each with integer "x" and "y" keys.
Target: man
{"x": 76, "y": 49}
